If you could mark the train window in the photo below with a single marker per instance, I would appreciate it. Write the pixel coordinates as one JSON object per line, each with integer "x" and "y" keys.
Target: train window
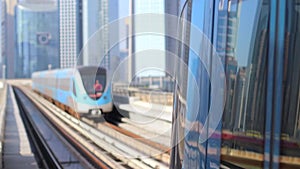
{"x": 91, "y": 78}
{"x": 64, "y": 84}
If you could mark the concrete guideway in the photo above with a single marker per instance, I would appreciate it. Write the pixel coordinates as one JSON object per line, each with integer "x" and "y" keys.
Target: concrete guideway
{"x": 3, "y": 94}
{"x": 154, "y": 120}
{"x": 17, "y": 152}
{"x": 111, "y": 144}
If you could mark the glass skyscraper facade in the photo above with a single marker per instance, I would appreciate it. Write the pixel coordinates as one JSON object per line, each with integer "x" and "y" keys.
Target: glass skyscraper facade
{"x": 70, "y": 32}
{"x": 37, "y": 43}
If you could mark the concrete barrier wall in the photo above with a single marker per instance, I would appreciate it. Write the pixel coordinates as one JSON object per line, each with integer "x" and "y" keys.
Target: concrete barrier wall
{"x": 153, "y": 96}
{"x": 3, "y": 96}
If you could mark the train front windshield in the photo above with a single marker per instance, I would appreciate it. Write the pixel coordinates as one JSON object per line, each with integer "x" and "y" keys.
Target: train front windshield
{"x": 94, "y": 81}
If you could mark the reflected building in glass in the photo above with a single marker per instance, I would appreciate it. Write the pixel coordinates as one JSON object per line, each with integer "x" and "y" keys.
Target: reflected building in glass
{"x": 246, "y": 94}
{"x": 37, "y": 39}
{"x": 238, "y": 99}
{"x": 255, "y": 105}
{"x": 226, "y": 46}
{"x": 291, "y": 76}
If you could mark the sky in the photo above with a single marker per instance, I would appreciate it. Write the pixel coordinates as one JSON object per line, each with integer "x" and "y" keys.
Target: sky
{"x": 123, "y": 8}
{"x": 246, "y": 24}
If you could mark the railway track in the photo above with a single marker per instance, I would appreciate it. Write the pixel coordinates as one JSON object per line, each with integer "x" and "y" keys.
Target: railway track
{"x": 46, "y": 157}
{"x": 105, "y": 143}
{"x": 96, "y": 143}
{"x": 52, "y": 147}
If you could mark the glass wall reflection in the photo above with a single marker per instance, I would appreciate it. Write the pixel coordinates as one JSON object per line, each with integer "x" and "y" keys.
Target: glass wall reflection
{"x": 246, "y": 68}
{"x": 248, "y": 37}
{"x": 290, "y": 132}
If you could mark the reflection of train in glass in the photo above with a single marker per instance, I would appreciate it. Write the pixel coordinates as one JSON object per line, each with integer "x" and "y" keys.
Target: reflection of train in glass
{"x": 73, "y": 90}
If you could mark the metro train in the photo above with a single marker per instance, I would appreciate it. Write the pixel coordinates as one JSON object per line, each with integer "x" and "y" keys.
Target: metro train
{"x": 73, "y": 89}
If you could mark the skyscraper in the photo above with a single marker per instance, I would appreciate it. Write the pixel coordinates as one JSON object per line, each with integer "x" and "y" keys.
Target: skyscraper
{"x": 172, "y": 11}
{"x": 238, "y": 99}
{"x": 91, "y": 25}
{"x": 2, "y": 36}
{"x": 97, "y": 15}
{"x": 226, "y": 47}
{"x": 113, "y": 34}
{"x": 255, "y": 89}
{"x": 291, "y": 79}
{"x": 37, "y": 38}
{"x": 90, "y": 18}
{"x": 70, "y": 29}
{"x": 231, "y": 72}
{"x": 10, "y": 37}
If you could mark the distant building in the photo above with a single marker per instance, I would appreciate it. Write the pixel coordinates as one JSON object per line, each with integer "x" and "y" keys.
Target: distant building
{"x": 226, "y": 44}
{"x": 172, "y": 11}
{"x": 70, "y": 29}
{"x": 90, "y": 18}
{"x": 97, "y": 15}
{"x": 90, "y": 21}
{"x": 239, "y": 99}
{"x": 291, "y": 79}
{"x": 10, "y": 37}
{"x": 2, "y": 36}
{"x": 37, "y": 39}
{"x": 255, "y": 87}
{"x": 113, "y": 34}
{"x": 231, "y": 73}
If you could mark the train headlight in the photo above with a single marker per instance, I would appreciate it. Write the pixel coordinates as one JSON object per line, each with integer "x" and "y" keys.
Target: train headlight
{"x": 95, "y": 111}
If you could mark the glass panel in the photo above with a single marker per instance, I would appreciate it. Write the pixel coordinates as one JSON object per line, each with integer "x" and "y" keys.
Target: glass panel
{"x": 290, "y": 132}
{"x": 178, "y": 122}
{"x": 243, "y": 26}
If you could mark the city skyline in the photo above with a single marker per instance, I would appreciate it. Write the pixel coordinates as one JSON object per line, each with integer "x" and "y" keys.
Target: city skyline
{"x": 73, "y": 40}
